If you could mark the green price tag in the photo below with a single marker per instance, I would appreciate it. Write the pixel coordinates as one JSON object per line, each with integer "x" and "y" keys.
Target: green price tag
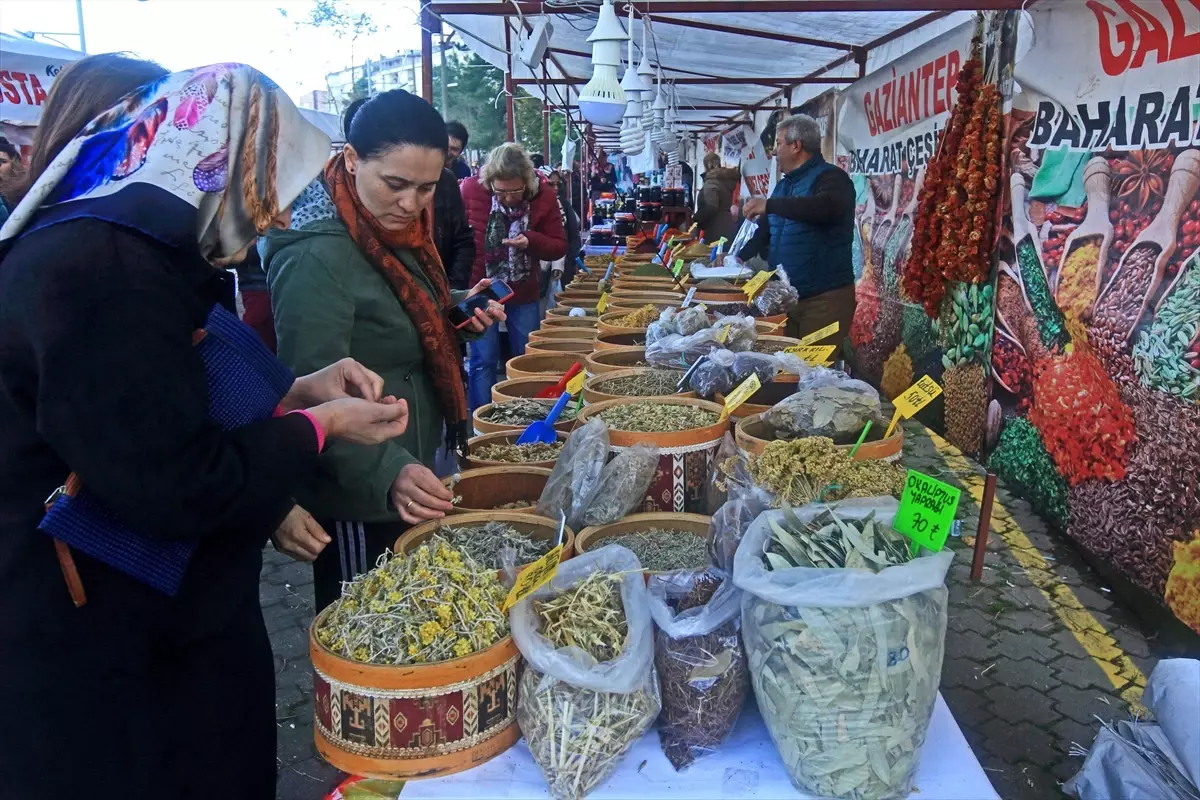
{"x": 927, "y": 509}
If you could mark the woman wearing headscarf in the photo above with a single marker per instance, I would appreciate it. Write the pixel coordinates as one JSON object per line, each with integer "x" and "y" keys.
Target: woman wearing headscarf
{"x": 146, "y": 449}
{"x": 358, "y": 274}
{"x": 517, "y": 223}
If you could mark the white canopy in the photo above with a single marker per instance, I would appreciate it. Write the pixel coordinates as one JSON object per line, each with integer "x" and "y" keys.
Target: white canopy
{"x": 27, "y": 70}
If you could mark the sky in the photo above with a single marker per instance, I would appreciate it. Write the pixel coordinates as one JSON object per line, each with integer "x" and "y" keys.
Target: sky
{"x": 187, "y": 33}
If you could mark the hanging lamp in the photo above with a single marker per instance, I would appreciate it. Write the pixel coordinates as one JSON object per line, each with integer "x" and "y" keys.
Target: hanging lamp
{"x": 633, "y": 138}
{"x": 602, "y": 100}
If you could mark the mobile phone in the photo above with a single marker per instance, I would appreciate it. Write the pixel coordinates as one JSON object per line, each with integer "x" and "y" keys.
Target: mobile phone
{"x": 462, "y": 314}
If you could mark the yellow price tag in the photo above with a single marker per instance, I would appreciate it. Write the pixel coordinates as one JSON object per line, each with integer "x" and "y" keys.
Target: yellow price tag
{"x": 533, "y": 577}
{"x": 913, "y": 399}
{"x": 576, "y": 383}
{"x": 723, "y": 334}
{"x": 602, "y": 306}
{"x": 755, "y": 284}
{"x": 814, "y": 354}
{"x": 701, "y": 306}
{"x": 740, "y": 395}
{"x": 816, "y": 336}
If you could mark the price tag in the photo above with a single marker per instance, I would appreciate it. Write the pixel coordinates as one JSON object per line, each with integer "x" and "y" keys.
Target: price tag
{"x": 814, "y": 354}
{"x": 608, "y": 272}
{"x": 533, "y": 577}
{"x": 701, "y": 306}
{"x": 602, "y": 306}
{"x": 576, "y": 383}
{"x": 927, "y": 509}
{"x": 816, "y": 336}
{"x": 722, "y": 333}
{"x": 678, "y": 268}
{"x": 755, "y": 284}
{"x": 687, "y": 301}
{"x": 913, "y": 399}
{"x": 740, "y": 395}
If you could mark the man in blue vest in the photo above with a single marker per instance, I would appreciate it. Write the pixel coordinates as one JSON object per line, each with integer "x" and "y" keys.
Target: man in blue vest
{"x": 807, "y": 227}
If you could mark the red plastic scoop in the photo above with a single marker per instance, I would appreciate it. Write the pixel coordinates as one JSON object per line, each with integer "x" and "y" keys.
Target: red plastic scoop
{"x": 560, "y": 387}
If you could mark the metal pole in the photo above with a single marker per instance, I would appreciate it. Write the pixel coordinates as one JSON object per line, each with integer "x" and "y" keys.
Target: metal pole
{"x": 546, "y": 119}
{"x": 426, "y": 58}
{"x": 509, "y": 118}
{"x": 445, "y": 79}
{"x": 79, "y": 21}
{"x": 985, "y": 523}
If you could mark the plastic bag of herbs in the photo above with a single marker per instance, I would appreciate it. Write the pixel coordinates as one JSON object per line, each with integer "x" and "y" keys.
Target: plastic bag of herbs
{"x": 576, "y": 477}
{"x": 845, "y": 633}
{"x": 701, "y": 663}
{"x": 623, "y": 484}
{"x": 589, "y": 690}
{"x": 828, "y": 403}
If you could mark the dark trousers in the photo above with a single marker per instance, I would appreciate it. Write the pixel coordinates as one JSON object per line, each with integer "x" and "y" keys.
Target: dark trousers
{"x": 355, "y": 548}
{"x": 813, "y": 313}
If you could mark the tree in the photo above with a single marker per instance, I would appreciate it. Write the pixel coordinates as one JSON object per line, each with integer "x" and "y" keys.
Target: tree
{"x": 338, "y": 18}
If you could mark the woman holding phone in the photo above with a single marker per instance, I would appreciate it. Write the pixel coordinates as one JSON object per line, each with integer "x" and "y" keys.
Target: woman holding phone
{"x": 357, "y": 274}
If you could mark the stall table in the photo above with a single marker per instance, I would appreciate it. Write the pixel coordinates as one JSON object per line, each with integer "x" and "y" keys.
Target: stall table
{"x": 748, "y": 766}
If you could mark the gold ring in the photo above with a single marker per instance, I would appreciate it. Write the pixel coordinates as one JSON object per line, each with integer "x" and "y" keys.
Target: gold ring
{"x": 410, "y": 502}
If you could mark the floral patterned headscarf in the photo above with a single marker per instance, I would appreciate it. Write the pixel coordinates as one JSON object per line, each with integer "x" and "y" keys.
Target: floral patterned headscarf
{"x": 209, "y": 156}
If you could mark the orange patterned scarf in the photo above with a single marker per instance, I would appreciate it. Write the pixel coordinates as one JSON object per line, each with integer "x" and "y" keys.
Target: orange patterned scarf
{"x": 439, "y": 340}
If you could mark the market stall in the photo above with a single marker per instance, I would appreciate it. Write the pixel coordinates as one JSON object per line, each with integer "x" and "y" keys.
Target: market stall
{"x": 27, "y": 71}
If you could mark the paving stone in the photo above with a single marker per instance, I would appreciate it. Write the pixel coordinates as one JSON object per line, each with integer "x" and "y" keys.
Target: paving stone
{"x": 1082, "y": 673}
{"x": 308, "y": 780}
{"x": 1022, "y": 704}
{"x": 969, "y": 707}
{"x": 1068, "y": 731}
{"x": 1023, "y": 672}
{"x": 1022, "y": 619}
{"x": 1084, "y": 705}
{"x": 970, "y": 619}
{"x": 967, "y": 674}
{"x": 1019, "y": 742}
{"x": 1030, "y": 644}
{"x": 970, "y": 645}
{"x": 1026, "y": 782}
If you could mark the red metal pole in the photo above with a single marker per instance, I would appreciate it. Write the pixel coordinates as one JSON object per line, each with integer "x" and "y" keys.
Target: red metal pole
{"x": 985, "y": 523}
{"x": 509, "y": 118}
{"x": 427, "y": 23}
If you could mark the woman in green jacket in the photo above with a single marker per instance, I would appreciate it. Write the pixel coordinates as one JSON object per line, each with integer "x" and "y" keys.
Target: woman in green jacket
{"x": 357, "y": 274}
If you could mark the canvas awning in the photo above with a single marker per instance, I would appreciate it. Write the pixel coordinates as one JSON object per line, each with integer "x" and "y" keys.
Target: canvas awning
{"x": 27, "y": 70}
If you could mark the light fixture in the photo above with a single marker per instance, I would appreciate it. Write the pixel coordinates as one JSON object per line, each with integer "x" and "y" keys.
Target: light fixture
{"x": 633, "y": 138}
{"x": 602, "y": 100}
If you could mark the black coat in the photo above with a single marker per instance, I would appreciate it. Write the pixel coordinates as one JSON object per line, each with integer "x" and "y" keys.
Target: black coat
{"x": 452, "y": 232}
{"x": 98, "y": 375}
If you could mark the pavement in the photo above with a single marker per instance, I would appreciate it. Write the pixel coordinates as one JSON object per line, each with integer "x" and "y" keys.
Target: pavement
{"x": 1035, "y": 651}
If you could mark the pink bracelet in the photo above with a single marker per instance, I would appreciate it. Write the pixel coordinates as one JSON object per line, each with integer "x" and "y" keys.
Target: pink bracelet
{"x": 316, "y": 427}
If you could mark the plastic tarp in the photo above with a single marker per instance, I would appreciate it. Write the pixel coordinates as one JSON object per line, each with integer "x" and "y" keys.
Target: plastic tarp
{"x": 330, "y": 124}
{"x": 27, "y": 70}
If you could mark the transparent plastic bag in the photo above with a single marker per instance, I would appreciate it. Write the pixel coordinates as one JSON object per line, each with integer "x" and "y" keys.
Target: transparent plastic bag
{"x": 714, "y": 375}
{"x": 701, "y": 663}
{"x": 744, "y": 235}
{"x": 742, "y": 333}
{"x": 580, "y": 716}
{"x": 692, "y": 320}
{"x": 826, "y": 403}
{"x": 845, "y": 663}
{"x": 575, "y": 479}
{"x": 765, "y": 365}
{"x": 744, "y": 502}
{"x": 623, "y": 485}
{"x": 777, "y": 297}
{"x": 680, "y": 352}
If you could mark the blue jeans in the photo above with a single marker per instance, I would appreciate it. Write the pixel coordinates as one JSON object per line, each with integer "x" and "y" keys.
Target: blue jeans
{"x": 523, "y": 319}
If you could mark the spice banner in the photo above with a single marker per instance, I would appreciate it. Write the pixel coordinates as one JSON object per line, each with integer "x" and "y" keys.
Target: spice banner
{"x": 887, "y": 127}
{"x": 712, "y": 142}
{"x": 1095, "y": 363}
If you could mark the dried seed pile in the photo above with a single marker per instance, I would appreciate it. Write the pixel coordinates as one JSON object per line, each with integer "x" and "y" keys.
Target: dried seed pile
{"x": 1051, "y": 327}
{"x": 638, "y": 319}
{"x": 517, "y": 453}
{"x": 661, "y": 550}
{"x": 704, "y": 682}
{"x": 1021, "y": 460}
{"x": 577, "y": 736}
{"x": 487, "y": 543}
{"x": 1077, "y": 280}
{"x": 522, "y": 411}
{"x": 882, "y": 341}
{"x": 647, "y": 383}
{"x": 1162, "y": 356}
{"x": 846, "y": 692}
{"x": 969, "y": 329}
{"x": 433, "y": 605}
{"x": 897, "y": 373}
{"x": 965, "y": 387}
{"x": 656, "y": 417}
{"x": 800, "y": 471}
{"x": 651, "y": 270}
{"x": 917, "y": 331}
{"x": 1121, "y": 305}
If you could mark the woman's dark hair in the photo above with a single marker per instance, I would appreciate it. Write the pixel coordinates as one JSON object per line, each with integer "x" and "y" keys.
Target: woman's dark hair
{"x": 458, "y": 131}
{"x": 81, "y": 92}
{"x": 348, "y": 115}
{"x": 9, "y": 149}
{"x": 394, "y": 119}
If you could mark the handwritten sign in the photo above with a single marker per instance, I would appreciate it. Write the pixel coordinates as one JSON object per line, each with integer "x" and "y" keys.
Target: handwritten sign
{"x": 913, "y": 399}
{"x": 576, "y": 383}
{"x": 816, "y": 336}
{"x": 927, "y": 509}
{"x": 533, "y": 577}
{"x": 740, "y": 395}
{"x": 691, "y": 294}
{"x": 755, "y": 284}
{"x": 814, "y": 354}
{"x": 602, "y": 306}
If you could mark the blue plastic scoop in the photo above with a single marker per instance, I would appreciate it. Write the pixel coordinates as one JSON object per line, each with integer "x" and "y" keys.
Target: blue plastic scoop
{"x": 542, "y": 432}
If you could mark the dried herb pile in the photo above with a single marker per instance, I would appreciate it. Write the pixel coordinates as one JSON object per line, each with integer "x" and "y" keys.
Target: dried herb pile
{"x": 637, "y": 319}
{"x": 647, "y": 383}
{"x": 522, "y": 411}
{"x": 656, "y": 417}
{"x": 661, "y": 550}
{"x": 846, "y": 692}
{"x": 517, "y": 453}
{"x": 799, "y": 471}
{"x": 704, "y": 679}
{"x": 577, "y": 736}
{"x": 433, "y": 605}
{"x": 487, "y": 543}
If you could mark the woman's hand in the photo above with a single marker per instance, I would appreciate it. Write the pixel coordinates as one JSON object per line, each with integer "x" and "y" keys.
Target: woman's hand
{"x": 299, "y": 536}
{"x": 362, "y": 421}
{"x": 418, "y": 495}
{"x": 485, "y": 319}
{"x": 345, "y": 378}
{"x": 520, "y": 241}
